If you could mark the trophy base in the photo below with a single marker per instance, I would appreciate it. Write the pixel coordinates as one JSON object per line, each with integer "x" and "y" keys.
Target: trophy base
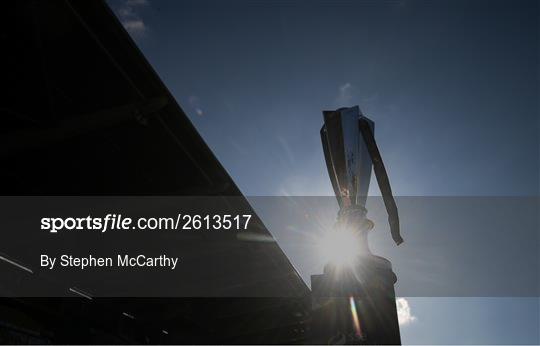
{"x": 355, "y": 305}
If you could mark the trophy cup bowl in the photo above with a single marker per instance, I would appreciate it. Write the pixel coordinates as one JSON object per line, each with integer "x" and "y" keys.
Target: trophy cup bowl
{"x": 351, "y": 153}
{"x": 347, "y": 157}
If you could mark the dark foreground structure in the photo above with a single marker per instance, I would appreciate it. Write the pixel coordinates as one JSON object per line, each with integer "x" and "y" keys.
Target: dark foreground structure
{"x": 85, "y": 114}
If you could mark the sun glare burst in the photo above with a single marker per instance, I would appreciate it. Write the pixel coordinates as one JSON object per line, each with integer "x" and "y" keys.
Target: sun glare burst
{"x": 340, "y": 247}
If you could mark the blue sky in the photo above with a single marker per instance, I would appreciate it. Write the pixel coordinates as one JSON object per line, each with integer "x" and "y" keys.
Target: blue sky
{"x": 451, "y": 85}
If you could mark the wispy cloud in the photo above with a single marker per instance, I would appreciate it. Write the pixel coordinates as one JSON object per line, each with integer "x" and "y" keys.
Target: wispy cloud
{"x": 195, "y": 103}
{"x": 344, "y": 95}
{"x": 128, "y": 12}
{"x": 405, "y": 316}
{"x": 135, "y": 26}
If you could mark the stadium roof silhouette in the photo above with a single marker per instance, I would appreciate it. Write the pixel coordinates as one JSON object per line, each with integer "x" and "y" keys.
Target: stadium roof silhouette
{"x": 85, "y": 114}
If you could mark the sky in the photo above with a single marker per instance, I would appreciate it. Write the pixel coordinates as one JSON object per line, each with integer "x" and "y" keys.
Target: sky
{"x": 452, "y": 86}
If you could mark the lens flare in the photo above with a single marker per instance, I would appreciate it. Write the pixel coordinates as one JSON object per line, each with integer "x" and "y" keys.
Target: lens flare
{"x": 355, "y": 319}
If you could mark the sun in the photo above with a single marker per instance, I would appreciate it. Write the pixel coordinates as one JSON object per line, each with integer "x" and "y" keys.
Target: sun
{"x": 340, "y": 247}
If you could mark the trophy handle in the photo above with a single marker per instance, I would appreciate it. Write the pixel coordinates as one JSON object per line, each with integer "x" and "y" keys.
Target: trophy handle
{"x": 382, "y": 179}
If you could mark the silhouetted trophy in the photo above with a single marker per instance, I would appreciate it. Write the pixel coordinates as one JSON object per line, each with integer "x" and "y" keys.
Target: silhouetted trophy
{"x": 354, "y": 300}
